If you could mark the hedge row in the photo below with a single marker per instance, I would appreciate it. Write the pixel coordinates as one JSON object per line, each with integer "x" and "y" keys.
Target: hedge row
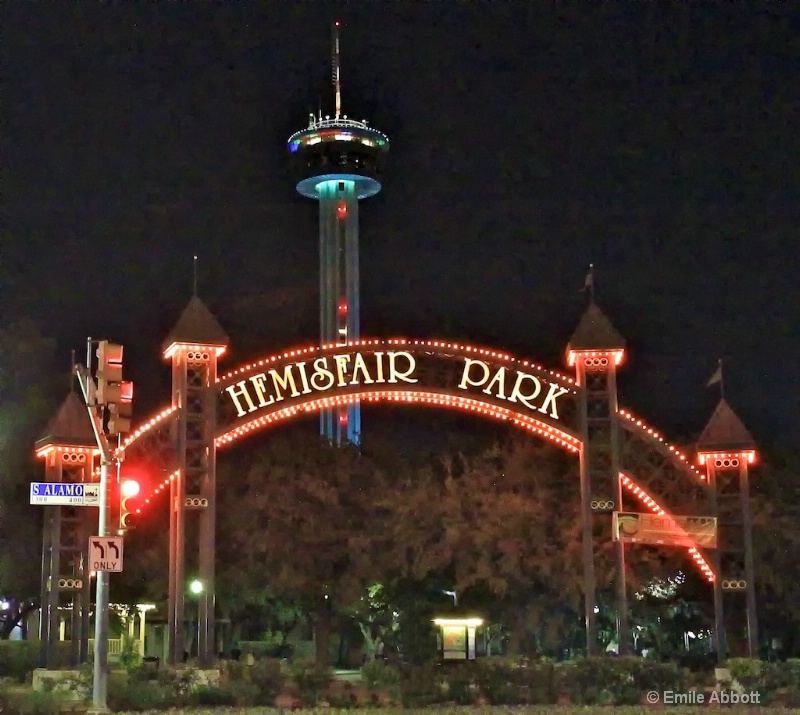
{"x": 584, "y": 681}
{"x": 776, "y": 682}
{"x": 589, "y": 681}
{"x": 602, "y": 681}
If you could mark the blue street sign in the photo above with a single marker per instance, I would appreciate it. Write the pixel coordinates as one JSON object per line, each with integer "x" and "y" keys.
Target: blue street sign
{"x": 63, "y": 494}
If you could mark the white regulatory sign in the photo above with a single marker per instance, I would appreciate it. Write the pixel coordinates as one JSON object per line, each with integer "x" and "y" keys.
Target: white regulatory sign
{"x": 105, "y": 553}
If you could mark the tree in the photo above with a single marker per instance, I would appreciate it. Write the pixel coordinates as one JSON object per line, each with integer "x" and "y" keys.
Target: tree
{"x": 305, "y": 523}
{"x": 374, "y": 615}
{"x": 29, "y": 393}
{"x": 380, "y": 537}
{"x": 776, "y": 543}
{"x": 505, "y": 526}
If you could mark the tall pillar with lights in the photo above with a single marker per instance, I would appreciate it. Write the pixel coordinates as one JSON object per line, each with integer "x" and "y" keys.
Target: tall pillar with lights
{"x": 193, "y": 346}
{"x": 595, "y": 350}
{"x": 68, "y": 447}
{"x": 726, "y": 449}
{"x": 337, "y": 162}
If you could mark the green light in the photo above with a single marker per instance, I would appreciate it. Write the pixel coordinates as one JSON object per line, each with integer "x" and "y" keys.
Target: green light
{"x": 196, "y": 587}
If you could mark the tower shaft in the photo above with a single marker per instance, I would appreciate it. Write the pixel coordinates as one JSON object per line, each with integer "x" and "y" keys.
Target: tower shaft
{"x": 339, "y": 291}
{"x": 338, "y": 162}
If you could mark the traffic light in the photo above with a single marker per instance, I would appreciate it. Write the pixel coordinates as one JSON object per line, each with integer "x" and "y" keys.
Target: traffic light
{"x": 119, "y": 419}
{"x": 128, "y": 504}
{"x": 112, "y": 391}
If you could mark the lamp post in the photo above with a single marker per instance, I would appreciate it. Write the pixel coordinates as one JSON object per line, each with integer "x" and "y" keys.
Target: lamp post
{"x": 196, "y": 588}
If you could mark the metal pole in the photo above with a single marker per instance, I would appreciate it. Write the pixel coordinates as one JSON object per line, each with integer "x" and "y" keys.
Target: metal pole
{"x": 99, "y": 681}
{"x": 207, "y": 616}
{"x": 100, "y": 674}
{"x": 623, "y": 628}
{"x": 44, "y": 610}
{"x": 749, "y": 566}
{"x": 587, "y": 523}
{"x": 53, "y": 594}
{"x": 177, "y": 519}
{"x": 719, "y": 607}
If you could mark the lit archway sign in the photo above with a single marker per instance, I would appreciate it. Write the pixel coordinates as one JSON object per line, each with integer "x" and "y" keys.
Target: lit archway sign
{"x": 574, "y": 414}
{"x": 393, "y": 370}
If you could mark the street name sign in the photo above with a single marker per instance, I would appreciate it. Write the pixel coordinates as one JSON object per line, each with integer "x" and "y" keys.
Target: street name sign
{"x": 64, "y": 494}
{"x": 105, "y": 553}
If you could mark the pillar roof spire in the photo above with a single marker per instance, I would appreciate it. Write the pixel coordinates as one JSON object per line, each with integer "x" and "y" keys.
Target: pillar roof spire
{"x": 725, "y": 432}
{"x": 69, "y": 427}
{"x": 197, "y": 326}
{"x": 595, "y": 332}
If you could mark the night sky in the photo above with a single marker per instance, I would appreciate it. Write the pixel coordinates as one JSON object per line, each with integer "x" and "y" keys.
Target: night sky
{"x": 657, "y": 140}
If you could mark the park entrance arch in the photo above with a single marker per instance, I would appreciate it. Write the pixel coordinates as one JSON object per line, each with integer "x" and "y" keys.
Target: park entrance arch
{"x": 621, "y": 461}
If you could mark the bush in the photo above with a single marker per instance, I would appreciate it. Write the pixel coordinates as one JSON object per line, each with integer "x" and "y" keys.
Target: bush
{"x": 214, "y": 695}
{"x": 535, "y": 683}
{"x": 141, "y": 672}
{"x": 146, "y": 689}
{"x": 786, "y": 677}
{"x": 776, "y": 682}
{"x": 268, "y": 677}
{"x": 505, "y": 683}
{"x": 615, "y": 681}
{"x": 179, "y": 682}
{"x": 244, "y": 693}
{"x": 311, "y": 680}
{"x": 18, "y": 659}
{"x": 749, "y": 672}
{"x": 129, "y": 657}
{"x": 35, "y": 702}
{"x": 78, "y": 683}
{"x": 494, "y": 680}
{"x": 139, "y": 695}
{"x": 459, "y": 679}
{"x": 378, "y": 675}
{"x": 233, "y": 671}
{"x": 421, "y": 686}
{"x": 343, "y": 697}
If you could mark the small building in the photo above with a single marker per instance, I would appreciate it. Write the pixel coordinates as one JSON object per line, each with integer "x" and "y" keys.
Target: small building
{"x": 456, "y": 637}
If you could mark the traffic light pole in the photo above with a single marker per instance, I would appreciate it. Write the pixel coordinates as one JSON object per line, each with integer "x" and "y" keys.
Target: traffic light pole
{"x": 100, "y": 674}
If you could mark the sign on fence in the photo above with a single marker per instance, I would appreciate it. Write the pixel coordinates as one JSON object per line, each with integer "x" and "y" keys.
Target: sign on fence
{"x": 663, "y": 530}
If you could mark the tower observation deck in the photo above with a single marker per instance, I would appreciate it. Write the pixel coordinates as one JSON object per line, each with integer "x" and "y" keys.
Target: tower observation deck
{"x": 337, "y": 161}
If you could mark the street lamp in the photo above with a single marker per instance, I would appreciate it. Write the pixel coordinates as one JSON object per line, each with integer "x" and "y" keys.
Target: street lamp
{"x": 196, "y": 588}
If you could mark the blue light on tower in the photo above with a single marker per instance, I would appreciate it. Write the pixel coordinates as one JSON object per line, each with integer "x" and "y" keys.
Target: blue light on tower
{"x": 337, "y": 161}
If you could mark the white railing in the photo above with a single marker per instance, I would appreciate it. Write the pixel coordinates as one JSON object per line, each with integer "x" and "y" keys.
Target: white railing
{"x": 115, "y": 646}
{"x": 333, "y": 122}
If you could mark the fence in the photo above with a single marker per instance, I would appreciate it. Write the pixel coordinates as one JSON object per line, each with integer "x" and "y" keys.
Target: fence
{"x": 115, "y": 646}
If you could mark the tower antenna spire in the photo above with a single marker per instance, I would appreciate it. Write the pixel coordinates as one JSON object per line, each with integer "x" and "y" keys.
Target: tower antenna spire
{"x": 336, "y": 65}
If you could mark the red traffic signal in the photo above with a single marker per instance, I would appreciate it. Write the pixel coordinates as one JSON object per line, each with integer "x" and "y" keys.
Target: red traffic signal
{"x": 129, "y": 505}
{"x": 129, "y": 488}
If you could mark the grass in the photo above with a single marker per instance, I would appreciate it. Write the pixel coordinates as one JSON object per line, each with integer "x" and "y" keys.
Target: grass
{"x": 488, "y": 710}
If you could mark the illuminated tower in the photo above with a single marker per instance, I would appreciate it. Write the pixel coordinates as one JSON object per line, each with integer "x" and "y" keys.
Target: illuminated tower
{"x": 68, "y": 448}
{"x": 337, "y": 162}
{"x": 727, "y": 450}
